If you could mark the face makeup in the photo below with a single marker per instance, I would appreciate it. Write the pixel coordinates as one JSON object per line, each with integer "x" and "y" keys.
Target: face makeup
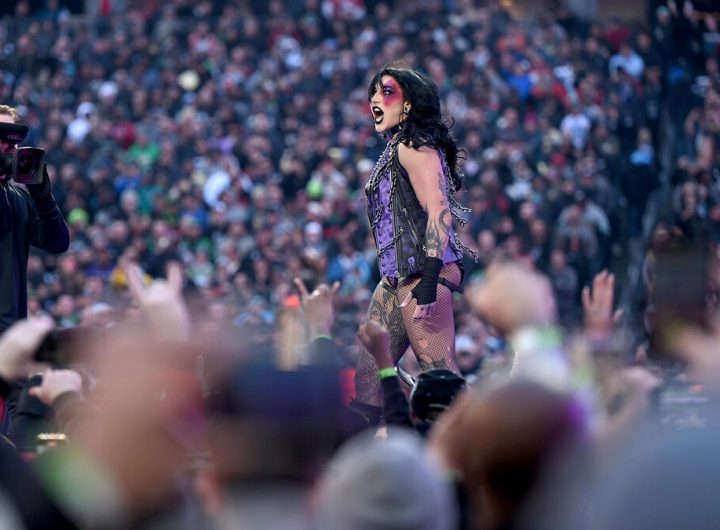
{"x": 386, "y": 104}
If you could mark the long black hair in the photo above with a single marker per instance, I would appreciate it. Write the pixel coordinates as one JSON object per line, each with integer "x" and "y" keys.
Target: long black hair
{"x": 423, "y": 125}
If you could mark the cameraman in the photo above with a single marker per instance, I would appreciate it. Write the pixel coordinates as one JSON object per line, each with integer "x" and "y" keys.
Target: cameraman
{"x": 27, "y": 217}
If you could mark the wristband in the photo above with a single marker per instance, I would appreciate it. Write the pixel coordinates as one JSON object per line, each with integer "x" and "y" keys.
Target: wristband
{"x": 384, "y": 373}
{"x": 425, "y": 292}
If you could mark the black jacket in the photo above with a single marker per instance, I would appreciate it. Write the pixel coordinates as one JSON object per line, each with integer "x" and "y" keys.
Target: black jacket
{"x": 24, "y": 221}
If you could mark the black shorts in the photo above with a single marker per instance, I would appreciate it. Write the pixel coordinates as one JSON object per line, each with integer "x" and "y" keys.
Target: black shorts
{"x": 391, "y": 284}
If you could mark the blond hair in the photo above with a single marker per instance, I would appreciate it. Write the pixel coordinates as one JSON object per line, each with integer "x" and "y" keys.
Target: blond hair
{"x": 7, "y": 110}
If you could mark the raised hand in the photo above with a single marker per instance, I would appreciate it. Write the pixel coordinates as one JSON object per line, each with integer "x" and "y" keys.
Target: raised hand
{"x": 18, "y": 345}
{"x": 512, "y": 296}
{"x": 598, "y": 306}
{"x": 149, "y": 416}
{"x": 161, "y": 302}
{"x": 318, "y": 306}
{"x": 56, "y": 383}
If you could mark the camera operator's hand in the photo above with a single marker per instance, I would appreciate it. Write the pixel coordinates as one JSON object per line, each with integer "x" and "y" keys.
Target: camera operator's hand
{"x": 377, "y": 341}
{"x": 42, "y": 193}
{"x": 18, "y": 345}
{"x": 161, "y": 302}
{"x": 56, "y": 383}
{"x": 318, "y": 307}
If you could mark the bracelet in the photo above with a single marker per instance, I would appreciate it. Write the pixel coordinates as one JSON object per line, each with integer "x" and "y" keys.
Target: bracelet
{"x": 384, "y": 373}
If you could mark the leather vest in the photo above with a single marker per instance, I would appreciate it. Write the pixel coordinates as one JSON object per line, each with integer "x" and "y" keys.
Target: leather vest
{"x": 398, "y": 221}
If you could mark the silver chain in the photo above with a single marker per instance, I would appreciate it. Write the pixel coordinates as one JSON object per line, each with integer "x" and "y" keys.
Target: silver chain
{"x": 385, "y": 158}
{"x": 456, "y": 209}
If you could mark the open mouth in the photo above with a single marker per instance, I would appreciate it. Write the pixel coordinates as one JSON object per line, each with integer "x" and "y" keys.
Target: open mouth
{"x": 378, "y": 115}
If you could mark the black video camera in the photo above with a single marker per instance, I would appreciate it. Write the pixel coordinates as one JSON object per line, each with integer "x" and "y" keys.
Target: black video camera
{"x": 25, "y": 165}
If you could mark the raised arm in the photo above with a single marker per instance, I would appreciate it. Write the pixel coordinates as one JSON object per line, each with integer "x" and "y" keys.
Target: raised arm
{"x": 47, "y": 227}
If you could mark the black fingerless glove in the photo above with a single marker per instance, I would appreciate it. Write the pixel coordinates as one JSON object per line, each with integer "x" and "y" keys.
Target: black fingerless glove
{"x": 425, "y": 292}
{"x": 42, "y": 193}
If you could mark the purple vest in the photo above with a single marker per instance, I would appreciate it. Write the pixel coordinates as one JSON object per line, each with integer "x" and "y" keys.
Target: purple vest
{"x": 395, "y": 220}
{"x": 384, "y": 230}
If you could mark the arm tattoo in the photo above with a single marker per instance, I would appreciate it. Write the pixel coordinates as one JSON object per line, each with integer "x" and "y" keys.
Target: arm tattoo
{"x": 438, "y": 230}
{"x": 444, "y": 223}
{"x": 437, "y": 235}
{"x": 433, "y": 242}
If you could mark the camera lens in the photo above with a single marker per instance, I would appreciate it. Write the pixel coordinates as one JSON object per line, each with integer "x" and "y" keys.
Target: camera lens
{"x": 25, "y": 163}
{"x": 29, "y": 165}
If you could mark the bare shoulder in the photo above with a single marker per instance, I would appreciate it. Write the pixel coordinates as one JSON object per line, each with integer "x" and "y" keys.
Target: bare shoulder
{"x": 418, "y": 158}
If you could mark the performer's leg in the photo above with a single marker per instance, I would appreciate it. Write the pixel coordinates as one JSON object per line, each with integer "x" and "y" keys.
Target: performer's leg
{"x": 384, "y": 310}
{"x": 433, "y": 338}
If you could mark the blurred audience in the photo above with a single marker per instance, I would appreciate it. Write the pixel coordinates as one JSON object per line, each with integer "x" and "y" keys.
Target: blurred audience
{"x": 210, "y": 158}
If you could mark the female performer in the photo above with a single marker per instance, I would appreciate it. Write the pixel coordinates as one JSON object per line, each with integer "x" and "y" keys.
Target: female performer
{"x": 411, "y": 209}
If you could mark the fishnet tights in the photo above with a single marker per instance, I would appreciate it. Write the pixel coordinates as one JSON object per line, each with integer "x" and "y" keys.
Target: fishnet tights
{"x": 432, "y": 338}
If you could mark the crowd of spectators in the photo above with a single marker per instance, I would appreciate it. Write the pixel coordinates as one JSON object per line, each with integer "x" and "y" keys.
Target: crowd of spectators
{"x": 695, "y": 202}
{"x": 133, "y": 433}
{"x": 235, "y": 138}
{"x": 225, "y": 146}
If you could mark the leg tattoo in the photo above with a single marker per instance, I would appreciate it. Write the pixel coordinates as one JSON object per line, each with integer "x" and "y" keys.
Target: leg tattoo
{"x": 433, "y": 338}
{"x": 385, "y": 311}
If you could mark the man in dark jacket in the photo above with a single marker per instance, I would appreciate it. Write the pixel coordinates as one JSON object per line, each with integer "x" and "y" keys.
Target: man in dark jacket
{"x": 27, "y": 217}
